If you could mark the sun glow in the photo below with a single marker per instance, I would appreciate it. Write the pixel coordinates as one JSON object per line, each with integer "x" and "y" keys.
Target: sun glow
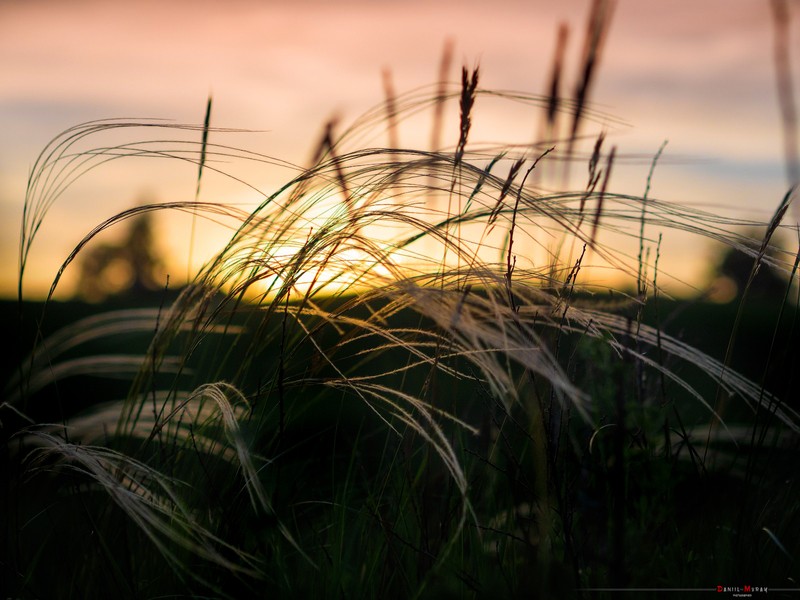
{"x": 706, "y": 162}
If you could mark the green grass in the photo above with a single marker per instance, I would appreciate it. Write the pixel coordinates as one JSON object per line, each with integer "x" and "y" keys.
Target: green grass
{"x": 450, "y": 421}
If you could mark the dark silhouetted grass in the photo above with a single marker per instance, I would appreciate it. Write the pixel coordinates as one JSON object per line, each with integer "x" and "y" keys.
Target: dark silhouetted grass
{"x": 363, "y": 394}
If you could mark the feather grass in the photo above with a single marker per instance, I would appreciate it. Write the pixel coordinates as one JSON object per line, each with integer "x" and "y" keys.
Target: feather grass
{"x": 347, "y": 308}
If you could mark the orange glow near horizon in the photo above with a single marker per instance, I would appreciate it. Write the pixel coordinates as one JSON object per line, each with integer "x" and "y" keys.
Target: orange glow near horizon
{"x": 698, "y": 74}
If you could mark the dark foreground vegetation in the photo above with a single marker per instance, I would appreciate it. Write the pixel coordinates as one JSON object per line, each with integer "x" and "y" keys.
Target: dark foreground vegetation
{"x": 369, "y": 392}
{"x": 535, "y": 499}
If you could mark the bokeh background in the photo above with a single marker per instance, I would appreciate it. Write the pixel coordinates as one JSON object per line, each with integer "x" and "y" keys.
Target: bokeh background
{"x": 698, "y": 74}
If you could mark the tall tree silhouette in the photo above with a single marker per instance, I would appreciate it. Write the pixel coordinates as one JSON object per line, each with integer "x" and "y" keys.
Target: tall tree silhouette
{"x": 130, "y": 267}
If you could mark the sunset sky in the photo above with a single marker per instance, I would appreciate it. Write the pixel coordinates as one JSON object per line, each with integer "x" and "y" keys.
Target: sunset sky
{"x": 698, "y": 74}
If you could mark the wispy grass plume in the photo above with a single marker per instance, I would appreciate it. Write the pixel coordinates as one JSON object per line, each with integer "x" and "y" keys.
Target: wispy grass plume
{"x": 395, "y": 398}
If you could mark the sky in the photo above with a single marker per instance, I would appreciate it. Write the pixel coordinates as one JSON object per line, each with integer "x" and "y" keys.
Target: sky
{"x": 698, "y": 74}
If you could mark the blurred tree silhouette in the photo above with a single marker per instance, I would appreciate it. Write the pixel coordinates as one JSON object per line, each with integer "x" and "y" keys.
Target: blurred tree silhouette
{"x": 733, "y": 271}
{"x": 131, "y": 267}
